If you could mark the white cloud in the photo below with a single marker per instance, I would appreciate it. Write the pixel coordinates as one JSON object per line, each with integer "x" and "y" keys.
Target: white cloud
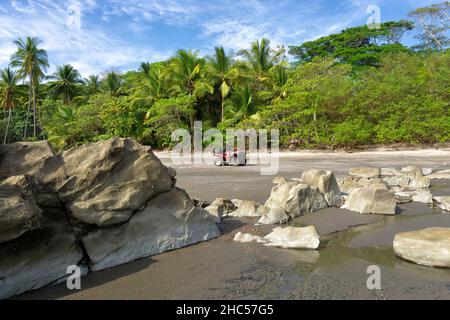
{"x": 87, "y": 47}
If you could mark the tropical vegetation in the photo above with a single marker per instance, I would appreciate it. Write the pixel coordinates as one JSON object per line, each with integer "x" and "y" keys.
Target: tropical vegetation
{"x": 361, "y": 86}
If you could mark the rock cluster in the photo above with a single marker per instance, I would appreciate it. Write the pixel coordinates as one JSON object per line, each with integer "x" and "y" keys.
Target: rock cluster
{"x": 94, "y": 206}
{"x": 400, "y": 186}
{"x": 316, "y": 190}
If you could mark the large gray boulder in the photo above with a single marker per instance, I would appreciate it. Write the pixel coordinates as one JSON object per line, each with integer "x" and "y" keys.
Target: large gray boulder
{"x": 169, "y": 221}
{"x": 109, "y": 180}
{"x": 38, "y": 161}
{"x": 296, "y": 198}
{"x": 429, "y": 247}
{"x": 371, "y": 200}
{"x": 38, "y": 258}
{"x": 106, "y": 203}
{"x": 35, "y": 159}
{"x": 326, "y": 183}
{"x": 19, "y": 212}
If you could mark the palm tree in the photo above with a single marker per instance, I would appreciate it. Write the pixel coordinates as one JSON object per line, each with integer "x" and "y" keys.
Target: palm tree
{"x": 241, "y": 104}
{"x": 146, "y": 67}
{"x": 62, "y": 127}
{"x": 32, "y": 63}
{"x": 155, "y": 87}
{"x": 113, "y": 84}
{"x": 261, "y": 57}
{"x": 65, "y": 84}
{"x": 222, "y": 72}
{"x": 186, "y": 70}
{"x": 279, "y": 76}
{"x": 8, "y": 100}
{"x": 93, "y": 84}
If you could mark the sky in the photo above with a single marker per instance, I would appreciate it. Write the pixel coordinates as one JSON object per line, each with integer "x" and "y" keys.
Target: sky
{"x": 98, "y": 36}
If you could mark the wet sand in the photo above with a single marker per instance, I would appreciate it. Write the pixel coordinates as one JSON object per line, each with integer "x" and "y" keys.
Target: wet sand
{"x": 223, "y": 269}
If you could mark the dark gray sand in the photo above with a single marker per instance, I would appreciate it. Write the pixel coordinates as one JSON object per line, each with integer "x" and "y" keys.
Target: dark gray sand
{"x": 223, "y": 269}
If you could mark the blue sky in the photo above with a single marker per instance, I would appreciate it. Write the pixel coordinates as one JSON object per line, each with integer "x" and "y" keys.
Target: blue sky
{"x": 97, "y": 36}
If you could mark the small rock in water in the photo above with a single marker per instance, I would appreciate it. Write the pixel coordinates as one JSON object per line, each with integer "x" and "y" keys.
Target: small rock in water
{"x": 422, "y": 195}
{"x": 372, "y": 200}
{"x": 246, "y": 209}
{"x": 220, "y": 208}
{"x": 275, "y": 215}
{"x": 420, "y": 182}
{"x": 443, "y": 202}
{"x": 427, "y": 171}
{"x": 246, "y": 237}
{"x": 294, "y": 238}
{"x": 443, "y": 174}
{"x": 429, "y": 247}
{"x": 403, "y": 198}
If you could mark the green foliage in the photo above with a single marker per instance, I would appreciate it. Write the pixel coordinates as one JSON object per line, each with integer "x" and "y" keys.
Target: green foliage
{"x": 405, "y": 100}
{"x": 166, "y": 116}
{"x": 359, "y": 46}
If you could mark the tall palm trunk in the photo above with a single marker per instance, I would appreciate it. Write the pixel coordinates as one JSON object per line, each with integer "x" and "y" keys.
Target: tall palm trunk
{"x": 30, "y": 96}
{"x": 34, "y": 112}
{"x": 222, "y": 106}
{"x": 7, "y": 126}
